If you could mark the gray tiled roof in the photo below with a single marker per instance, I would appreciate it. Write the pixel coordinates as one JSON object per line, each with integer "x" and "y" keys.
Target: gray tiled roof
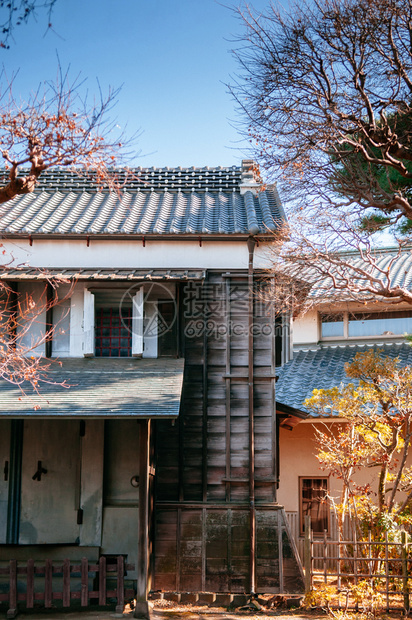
{"x": 189, "y": 204}
{"x": 324, "y": 368}
{"x": 148, "y": 179}
{"x": 101, "y": 387}
{"x": 389, "y": 265}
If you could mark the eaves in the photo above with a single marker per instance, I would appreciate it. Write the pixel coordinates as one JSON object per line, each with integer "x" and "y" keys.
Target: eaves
{"x": 204, "y": 237}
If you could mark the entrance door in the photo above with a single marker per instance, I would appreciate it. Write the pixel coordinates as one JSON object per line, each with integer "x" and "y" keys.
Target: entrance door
{"x": 4, "y": 476}
{"x": 50, "y": 482}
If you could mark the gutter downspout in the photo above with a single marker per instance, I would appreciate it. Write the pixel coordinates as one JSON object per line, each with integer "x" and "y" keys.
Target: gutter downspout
{"x": 252, "y": 566}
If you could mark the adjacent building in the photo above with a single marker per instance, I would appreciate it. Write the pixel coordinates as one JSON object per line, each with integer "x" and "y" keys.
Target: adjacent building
{"x": 324, "y": 339}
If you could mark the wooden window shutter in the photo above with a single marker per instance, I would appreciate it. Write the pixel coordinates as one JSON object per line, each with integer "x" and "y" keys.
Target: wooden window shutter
{"x": 88, "y": 324}
{"x": 137, "y": 323}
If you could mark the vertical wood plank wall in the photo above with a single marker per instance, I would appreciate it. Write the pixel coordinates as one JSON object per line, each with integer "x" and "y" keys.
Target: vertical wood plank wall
{"x": 202, "y": 511}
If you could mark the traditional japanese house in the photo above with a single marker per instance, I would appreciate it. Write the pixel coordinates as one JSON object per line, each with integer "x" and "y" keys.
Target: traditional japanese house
{"x": 156, "y": 435}
{"x": 337, "y": 326}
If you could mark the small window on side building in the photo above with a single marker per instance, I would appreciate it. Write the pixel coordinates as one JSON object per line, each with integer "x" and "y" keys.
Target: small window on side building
{"x": 332, "y": 325}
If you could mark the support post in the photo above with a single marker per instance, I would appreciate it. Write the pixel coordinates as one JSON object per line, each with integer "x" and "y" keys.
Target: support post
{"x": 404, "y": 551}
{"x": 142, "y": 608}
{"x": 13, "y": 506}
{"x": 308, "y": 555}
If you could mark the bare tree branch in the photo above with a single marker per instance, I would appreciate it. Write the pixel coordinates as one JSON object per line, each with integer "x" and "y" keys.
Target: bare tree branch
{"x": 325, "y": 89}
{"x": 14, "y": 13}
{"x": 56, "y": 126}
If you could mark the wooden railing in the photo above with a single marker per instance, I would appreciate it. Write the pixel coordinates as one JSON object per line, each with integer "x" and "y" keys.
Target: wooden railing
{"x": 82, "y": 574}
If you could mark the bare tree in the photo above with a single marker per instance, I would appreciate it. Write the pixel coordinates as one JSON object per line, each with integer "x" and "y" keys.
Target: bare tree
{"x": 307, "y": 270}
{"x": 17, "y": 12}
{"x": 56, "y": 126}
{"x": 326, "y": 90}
{"x": 21, "y": 362}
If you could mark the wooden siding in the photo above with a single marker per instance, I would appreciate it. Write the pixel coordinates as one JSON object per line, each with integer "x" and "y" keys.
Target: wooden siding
{"x": 202, "y": 516}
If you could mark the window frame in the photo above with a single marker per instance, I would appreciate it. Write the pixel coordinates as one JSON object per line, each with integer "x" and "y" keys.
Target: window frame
{"x": 326, "y": 504}
{"x": 346, "y": 318}
{"x": 119, "y": 328}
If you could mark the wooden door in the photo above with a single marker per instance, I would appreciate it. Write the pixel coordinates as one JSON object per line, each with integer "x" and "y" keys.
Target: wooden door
{"x": 4, "y": 476}
{"x": 50, "y": 482}
{"x": 167, "y": 328}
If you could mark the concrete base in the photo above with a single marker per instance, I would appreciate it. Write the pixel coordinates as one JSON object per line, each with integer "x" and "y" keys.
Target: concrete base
{"x": 141, "y": 610}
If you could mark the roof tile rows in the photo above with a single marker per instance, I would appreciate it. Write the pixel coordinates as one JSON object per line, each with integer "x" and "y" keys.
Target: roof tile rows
{"x": 386, "y": 264}
{"x": 105, "y": 274}
{"x": 147, "y": 179}
{"x": 96, "y": 388}
{"x": 324, "y": 368}
{"x": 141, "y": 210}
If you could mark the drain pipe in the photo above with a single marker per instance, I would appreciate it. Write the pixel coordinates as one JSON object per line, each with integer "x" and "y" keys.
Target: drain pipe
{"x": 252, "y": 566}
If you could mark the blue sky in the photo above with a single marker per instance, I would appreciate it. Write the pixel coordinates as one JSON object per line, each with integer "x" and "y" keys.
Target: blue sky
{"x": 172, "y": 58}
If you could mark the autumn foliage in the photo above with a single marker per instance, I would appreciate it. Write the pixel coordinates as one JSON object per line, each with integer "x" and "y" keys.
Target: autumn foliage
{"x": 373, "y": 438}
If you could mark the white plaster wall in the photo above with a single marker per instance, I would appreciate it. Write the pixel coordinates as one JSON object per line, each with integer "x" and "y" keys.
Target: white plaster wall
{"x": 61, "y": 323}
{"x": 31, "y": 326}
{"x": 264, "y": 256}
{"x": 306, "y": 328}
{"x": 73, "y": 253}
{"x": 301, "y": 441}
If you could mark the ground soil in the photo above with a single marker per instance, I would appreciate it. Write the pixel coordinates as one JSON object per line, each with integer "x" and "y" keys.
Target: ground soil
{"x": 169, "y": 610}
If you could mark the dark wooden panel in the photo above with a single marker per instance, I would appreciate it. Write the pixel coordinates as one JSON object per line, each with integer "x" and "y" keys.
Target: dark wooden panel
{"x": 191, "y": 550}
{"x": 167, "y": 463}
{"x": 267, "y": 561}
{"x": 207, "y": 548}
{"x": 165, "y": 549}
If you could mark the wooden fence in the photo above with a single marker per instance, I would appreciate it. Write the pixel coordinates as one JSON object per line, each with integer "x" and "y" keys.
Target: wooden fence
{"x": 385, "y": 564}
{"x": 333, "y": 533}
{"x": 85, "y": 582}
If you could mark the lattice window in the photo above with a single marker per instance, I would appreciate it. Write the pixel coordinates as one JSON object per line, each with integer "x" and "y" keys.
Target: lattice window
{"x": 113, "y": 332}
{"x": 313, "y": 502}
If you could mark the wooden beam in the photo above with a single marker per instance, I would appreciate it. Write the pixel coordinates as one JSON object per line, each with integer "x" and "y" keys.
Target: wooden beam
{"x": 142, "y": 608}
{"x": 227, "y": 394}
{"x": 252, "y": 551}
{"x": 49, "y": 321}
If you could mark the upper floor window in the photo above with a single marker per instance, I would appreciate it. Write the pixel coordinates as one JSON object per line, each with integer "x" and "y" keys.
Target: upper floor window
{"x": 113, "y": 332}
{"x": 130, "y": 322}
{"x": 365, "y": 324}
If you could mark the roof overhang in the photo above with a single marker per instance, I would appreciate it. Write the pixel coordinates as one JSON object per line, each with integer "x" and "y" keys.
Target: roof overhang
{"x": 100, "y": 388}
{"x": 289, "y": 417}
{"x": 118, "y": 274}
{"x": 196, "y": 237}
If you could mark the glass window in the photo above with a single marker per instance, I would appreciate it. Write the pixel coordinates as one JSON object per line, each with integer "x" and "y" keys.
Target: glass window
{"x": 313, "y": 502}
{"x": 332, "y": 325}
{"x": 380, "y": 323}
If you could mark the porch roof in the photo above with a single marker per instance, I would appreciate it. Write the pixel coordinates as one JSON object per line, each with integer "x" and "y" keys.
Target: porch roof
{"x": 112, "y": 274}
{"x": 100, "y": 388}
